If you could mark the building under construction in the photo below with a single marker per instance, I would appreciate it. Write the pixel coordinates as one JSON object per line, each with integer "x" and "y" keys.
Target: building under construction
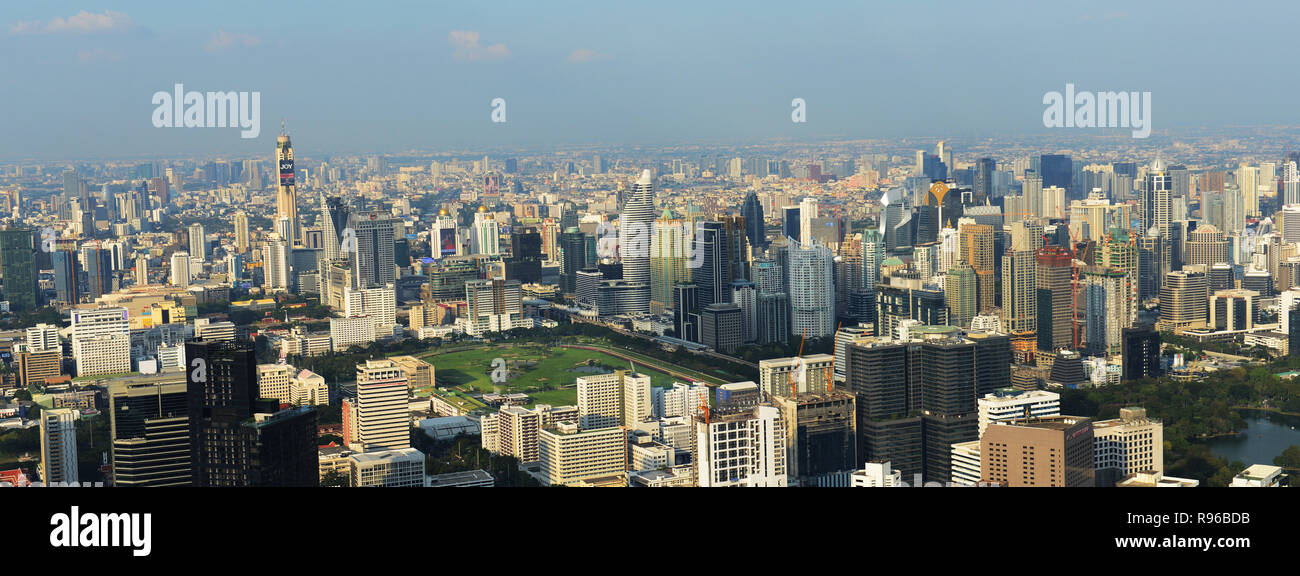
{"x": 821, "y": 438}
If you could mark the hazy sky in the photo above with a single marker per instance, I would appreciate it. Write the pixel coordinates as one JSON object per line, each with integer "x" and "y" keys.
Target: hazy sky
{"x": 359, "y": 77}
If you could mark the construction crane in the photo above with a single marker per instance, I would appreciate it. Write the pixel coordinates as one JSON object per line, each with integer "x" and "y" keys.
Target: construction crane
{"x": 797, "y": 364}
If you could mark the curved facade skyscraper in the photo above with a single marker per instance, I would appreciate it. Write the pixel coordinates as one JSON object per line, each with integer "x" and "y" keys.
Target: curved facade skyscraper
{"x": 812, "y": 292}
{"x": 635, "y": 223}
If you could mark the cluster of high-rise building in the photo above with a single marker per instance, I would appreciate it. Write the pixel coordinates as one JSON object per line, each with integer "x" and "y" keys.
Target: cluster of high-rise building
{"x": 936, "y": 279}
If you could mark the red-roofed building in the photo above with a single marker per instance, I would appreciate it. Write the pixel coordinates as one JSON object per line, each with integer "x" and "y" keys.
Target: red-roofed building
{"x": 14, "y": 477}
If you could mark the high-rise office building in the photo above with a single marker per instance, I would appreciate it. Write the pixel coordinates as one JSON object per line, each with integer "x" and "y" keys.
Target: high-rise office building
{"x": 1184, "y": 300}
{"x": 373, "y": 263}
{"x": 960, "y": 295}
{"x": 1055, "y": 299}
{"x": 1157, "y": 198}
{"x": 67, "y": 275}
{"x": 821, "y": 437}
{"x": 755, "y": 229}
{"x": 713, "y": 276}
{"x": 382, "y": 420}
{"x": 18, "y": 268}
{"x": 150, "y": 433}
{"x": 1053, "y": 451}
{"x": 669, "y": 256}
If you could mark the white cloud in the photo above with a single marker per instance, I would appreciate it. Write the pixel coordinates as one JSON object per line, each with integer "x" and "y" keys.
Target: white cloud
{"x": 468, "y": 48}
{"x": 223, "y": 40}
{"x": 82, "y": 22}
{"x": 585, "y": 55}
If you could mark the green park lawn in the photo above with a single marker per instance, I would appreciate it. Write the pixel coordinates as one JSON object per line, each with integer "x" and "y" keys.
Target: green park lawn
{"x": 548, "y": 375}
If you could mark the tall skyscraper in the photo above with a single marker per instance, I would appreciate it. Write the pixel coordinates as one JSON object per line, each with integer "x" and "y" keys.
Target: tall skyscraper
{"x": 1055, "y": 300}
{"x": 67, "y": 275}
{"x": 373, "y": 264}
{"x": 485, "y": 235}
{"x": 198, "y": 241}
{"x": 275, "y": 263}
{"x": 755, "y": 229}
{"x": 713, "y": 275}
{"x": 1157, "y": 199}
{"x": 635, "y": 229}
{"x": 1110, "y": 309}
{"x": 286, "y": 197}
{"x": 59, "y": 446}
{"x": 241, "y": 232}
{"x": 18, "y": 268}
{"x": 335, "y": 217}
{"x": 180, "y": 273}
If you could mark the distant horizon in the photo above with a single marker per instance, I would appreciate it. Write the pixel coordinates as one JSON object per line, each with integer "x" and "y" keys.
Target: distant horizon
{"x": 1159, "y": 141}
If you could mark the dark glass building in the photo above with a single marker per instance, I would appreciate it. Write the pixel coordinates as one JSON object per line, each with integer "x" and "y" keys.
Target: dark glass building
{"x": 236, "y": 438}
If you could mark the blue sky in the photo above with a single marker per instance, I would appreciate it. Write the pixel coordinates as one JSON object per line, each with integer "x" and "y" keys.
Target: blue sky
{"x": 361, "y": 77}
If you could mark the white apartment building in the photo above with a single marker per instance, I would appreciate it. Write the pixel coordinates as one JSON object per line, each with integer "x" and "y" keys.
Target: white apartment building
{"x": 380, "y": 303}
{"x": 570, "y": 455}
{"x": 353, "y": 331}
{"x": 42, "y": 337}
{"x": 101, "y": 341}
{"x": 273, "y": 381}
{"x": 59, "y": 446}
{"x": 680, "y": 400}
{"x": 740, "y": 448}
{"x": 621, "y": 398}
{"x": 181, "y": 274}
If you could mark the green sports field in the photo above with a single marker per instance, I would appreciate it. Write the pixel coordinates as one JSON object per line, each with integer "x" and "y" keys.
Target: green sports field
{"x": 547, "y": 374}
